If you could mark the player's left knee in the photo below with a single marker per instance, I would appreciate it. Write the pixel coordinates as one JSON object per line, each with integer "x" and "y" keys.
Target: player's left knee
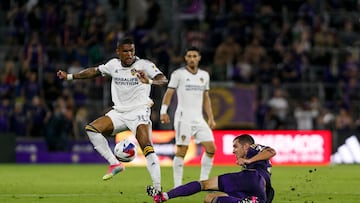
{"x": 148, "y": 150}
{"x": 210, "y": 151}
{"x": 91, "y": 128}
{"x": 210, "y": 148}
{"x": 210, "y": 154}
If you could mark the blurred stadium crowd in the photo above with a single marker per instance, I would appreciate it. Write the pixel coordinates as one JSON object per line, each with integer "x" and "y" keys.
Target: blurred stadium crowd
{"x": 301, "y": 55}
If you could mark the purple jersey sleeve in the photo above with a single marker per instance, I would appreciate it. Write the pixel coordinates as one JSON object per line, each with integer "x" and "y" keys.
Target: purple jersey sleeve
{"x": 265, "y": 165}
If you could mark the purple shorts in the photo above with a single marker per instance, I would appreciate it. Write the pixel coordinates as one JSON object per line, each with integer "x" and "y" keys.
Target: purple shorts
{"x": 243, "y": 184}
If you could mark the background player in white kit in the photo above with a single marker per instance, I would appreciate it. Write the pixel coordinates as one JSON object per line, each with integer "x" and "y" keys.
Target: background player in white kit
{"x": 192, "y": 87}
{"x": 130, "y": 90}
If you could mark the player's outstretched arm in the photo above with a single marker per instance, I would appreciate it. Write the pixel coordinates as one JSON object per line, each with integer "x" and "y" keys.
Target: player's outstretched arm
{"x": 91, "y": 72}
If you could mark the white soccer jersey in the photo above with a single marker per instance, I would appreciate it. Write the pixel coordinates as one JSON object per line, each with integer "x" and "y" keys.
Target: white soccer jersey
{"x": 127, "y": 91}
{"x": 190, "y": 90}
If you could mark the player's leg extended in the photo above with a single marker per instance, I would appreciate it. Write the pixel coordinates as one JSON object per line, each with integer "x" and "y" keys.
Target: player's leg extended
{"x": 247, "y": 185}
{"x": 207, "y": 159}
{"x": 230, "y": 199}
{"x": 143, "y": 135}
{"x": 188, "y": 189}
{"x": 215, "y": 197}
{"x": 178, "y": 164}
{"x": 95, "y": 131}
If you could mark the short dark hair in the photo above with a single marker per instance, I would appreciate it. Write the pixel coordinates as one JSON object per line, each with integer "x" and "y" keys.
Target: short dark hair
{"x": 193, "y": 48}
{"x": 245, "y": 138}
{"x": 125, "y": 40}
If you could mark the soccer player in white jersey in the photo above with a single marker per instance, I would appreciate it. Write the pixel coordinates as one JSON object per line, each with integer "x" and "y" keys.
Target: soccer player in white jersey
{"x": 192, "y": 87}
{"x": 130, "y": 90}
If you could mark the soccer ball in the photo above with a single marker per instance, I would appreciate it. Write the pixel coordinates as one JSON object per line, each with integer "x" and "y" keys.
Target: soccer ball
{"x": 125, "y": 150}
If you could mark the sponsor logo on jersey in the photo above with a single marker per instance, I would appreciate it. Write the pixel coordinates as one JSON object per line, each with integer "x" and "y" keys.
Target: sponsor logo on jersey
{"x": 126, "y": 81}
{"x": 194, "y": 87}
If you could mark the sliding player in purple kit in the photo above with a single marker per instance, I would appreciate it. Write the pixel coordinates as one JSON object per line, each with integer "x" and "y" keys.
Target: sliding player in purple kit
{"x": 250, "y": 185}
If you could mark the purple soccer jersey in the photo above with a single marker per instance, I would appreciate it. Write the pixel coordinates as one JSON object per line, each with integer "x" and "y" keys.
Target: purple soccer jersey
{"x": 255, "y": 175}
{"x": 263, "y": 166}
{"x": 251, "y": 182}
{"x": 243, "y": 184}
{"x": 254, "y": 150}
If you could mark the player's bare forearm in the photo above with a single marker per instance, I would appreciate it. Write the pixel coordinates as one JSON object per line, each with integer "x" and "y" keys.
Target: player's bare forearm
{"x": 208, "y": 110}
{"x": 265, "y": 154}
{"x": 167, "y": 96}
{"x": 84, "y": 74}
{"x": 164, "y": 117}
{"x": 91, "y": 72}
{"x": 160, "y": 80}
{"x": 211, "y": 121}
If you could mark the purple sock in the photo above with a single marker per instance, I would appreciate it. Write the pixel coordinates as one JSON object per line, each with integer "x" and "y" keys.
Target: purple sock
{"x": 185, "y": 190}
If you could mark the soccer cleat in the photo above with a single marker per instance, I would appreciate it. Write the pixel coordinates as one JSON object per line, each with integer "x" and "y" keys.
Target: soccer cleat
{"x": 113, "y": 170}
{"x": 159, "y": 198}
{"x": 151, "y": 191}
{"x": 157, "y": 195}
{"x": 251, "y": 199}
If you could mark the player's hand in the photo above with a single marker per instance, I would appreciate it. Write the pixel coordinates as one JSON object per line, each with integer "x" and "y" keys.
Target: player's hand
{"x": 242, "y": 161}
{"x": 61, "y": 74}
{"x": 164, "y": 118}
{"x": 142, "y": 76}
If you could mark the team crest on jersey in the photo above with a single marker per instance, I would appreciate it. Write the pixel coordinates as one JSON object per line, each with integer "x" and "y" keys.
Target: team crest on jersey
{"x": 156, "y": 69}
{"x": 202, "y": 80}
{"x": 183, "y": 137}
{"x": 133, "y": 71}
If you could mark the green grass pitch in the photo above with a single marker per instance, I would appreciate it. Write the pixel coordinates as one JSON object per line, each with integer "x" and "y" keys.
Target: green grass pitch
{"x": 82, "y": 183}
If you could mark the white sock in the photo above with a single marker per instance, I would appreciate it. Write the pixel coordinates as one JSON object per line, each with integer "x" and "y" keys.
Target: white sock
{"x": 178, "y": 170}
{"x": 153, "y": 166}
{"x": 102, "y": 146}
{"x": 206, "y": 165}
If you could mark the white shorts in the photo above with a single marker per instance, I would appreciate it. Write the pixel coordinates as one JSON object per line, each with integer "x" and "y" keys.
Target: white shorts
{"x": 200, "y": 131}
{"x": 130, "y": 119}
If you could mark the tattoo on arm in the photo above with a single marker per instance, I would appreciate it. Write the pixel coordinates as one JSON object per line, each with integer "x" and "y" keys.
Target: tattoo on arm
{"x": 91, "y": 72}
{"x": 160, "y": 80}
